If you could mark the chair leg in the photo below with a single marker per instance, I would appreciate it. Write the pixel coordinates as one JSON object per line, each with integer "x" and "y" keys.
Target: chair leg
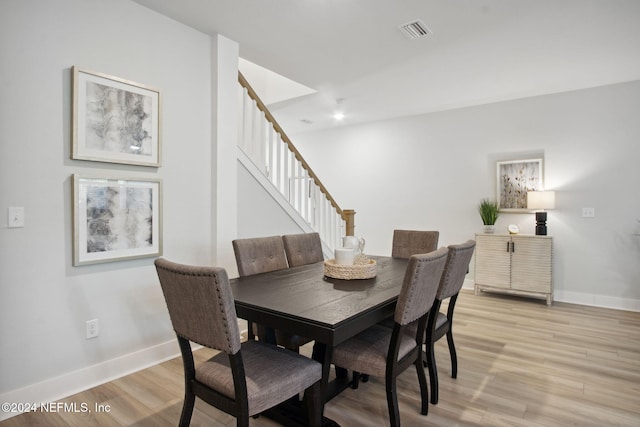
{"x": 250, "y": 335}
{"x": 452, "y": 353}
{"x": 189, "y": 378}
{"x": 392, "y": 402}
{"x": 364, "y": 377}
{"x": 313, "y": 403}
{"x": 341, "y": 372}
{"x": 187, "y": 409}
{"x": 424, "y": 390}
{"x": 433, "y": 373}
{"x": 242, "y": 420}
{"x": 355, "y": 381}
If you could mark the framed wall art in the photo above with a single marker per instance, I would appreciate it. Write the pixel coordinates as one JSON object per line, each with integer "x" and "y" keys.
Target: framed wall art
{"x": 114, "y": 120}
{"x": 116, "y": 219}
{"x": 514, "y": 178}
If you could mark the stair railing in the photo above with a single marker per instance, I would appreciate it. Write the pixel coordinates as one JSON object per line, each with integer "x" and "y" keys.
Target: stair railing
{"x": 270, "y": 149}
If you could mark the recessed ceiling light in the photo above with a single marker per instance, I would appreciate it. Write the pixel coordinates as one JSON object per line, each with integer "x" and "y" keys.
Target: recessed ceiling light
{"x": 338, "y": 116}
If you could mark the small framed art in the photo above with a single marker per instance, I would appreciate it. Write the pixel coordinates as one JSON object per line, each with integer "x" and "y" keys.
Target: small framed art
{"x": 116, "y": 219}
{"x": 513, "y": 179}
{"x": 114, "y": 120}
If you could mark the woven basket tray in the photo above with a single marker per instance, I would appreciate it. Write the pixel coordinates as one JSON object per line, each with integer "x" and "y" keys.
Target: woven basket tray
{"x": 350, "y": 272}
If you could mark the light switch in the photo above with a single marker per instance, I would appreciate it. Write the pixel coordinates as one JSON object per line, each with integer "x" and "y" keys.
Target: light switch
{"x": 16, "y": 217}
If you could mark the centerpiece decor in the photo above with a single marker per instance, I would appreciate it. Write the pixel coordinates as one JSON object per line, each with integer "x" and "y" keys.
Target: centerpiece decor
{"x": 364, "y": 268}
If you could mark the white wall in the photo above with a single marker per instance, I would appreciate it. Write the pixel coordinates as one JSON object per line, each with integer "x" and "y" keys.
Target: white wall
{"x": 224, "y": 126}
{"x": 44, "y": 301}
{"x": 430, "y": 172}
{"x": 259, "y": 215}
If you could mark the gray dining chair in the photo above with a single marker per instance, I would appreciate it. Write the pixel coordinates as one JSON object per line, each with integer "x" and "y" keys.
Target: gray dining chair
{"x": 440, "y": 324}
{"x": 259, "y": 255}
{"x": 243, "y": 379}
{"x": 300, "y": 249}
{"x": 405, "y": 244}
{"x": 410, "y": 242}
{"x": 254, "y": 256}
{"x": 383, "y": 352}
{"x": 303, "y": 249}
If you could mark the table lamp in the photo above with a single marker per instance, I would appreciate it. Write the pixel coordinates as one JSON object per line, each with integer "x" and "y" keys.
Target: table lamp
{"x": 541, "y": 201}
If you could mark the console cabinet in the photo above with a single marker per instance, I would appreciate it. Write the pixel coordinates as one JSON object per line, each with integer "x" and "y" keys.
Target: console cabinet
{"x": 514, "y": 264}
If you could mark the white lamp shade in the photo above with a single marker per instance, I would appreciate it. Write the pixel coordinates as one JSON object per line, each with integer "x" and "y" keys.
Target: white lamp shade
{"x": 541, "y": 199}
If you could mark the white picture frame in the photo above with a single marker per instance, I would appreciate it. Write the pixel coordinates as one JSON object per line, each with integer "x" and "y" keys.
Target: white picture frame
{"x": 115, "y": 120}
{"x": 514, "y": 178}
{"x": 116, "y": 219}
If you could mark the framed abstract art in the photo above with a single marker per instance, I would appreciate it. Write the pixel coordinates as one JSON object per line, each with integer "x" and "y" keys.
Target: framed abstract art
{"x": 115, "y": 219}
{"x": 115, "y": 120}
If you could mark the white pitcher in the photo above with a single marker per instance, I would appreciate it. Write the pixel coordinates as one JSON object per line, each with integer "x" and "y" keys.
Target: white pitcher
{"x": 353, "y": 242}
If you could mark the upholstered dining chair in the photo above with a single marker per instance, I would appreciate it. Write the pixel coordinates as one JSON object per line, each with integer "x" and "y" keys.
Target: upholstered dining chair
{"x": 440, "y": 324}
{"x": 244, "y": 379}
{"x": 383, "y": 352}
{"x": 300, "y": 249}
{"x": 405, "y": 244}
{"x": 303, "y": 249}
{"x": 411, "y": 242}
{"x": 259, "y": 255}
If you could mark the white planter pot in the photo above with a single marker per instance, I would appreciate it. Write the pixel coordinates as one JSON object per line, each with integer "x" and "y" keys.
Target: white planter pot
{"x": 489, "y": 229}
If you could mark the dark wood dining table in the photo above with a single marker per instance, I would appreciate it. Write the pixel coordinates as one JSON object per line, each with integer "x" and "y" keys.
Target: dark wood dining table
{"x": 303, "y": 301}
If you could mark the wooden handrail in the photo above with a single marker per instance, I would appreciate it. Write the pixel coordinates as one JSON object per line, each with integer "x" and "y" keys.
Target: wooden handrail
{"x": 346, "y": 215}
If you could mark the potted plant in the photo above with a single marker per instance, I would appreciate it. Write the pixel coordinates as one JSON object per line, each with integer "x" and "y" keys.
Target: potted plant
{"x": 489, "y": 212}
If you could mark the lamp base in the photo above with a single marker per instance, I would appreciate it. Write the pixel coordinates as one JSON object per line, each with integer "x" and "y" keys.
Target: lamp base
{"x": 541, "y": 223}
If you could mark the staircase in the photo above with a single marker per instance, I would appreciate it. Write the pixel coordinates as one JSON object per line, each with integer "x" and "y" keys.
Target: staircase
{"x": 268, "y": 153}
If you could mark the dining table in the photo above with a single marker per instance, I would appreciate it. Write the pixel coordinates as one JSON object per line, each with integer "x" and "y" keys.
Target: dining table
{"x": 304, "y": 301}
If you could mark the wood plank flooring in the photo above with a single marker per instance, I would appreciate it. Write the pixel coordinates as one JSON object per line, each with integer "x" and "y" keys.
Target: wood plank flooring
{"x": 520, "y": 363}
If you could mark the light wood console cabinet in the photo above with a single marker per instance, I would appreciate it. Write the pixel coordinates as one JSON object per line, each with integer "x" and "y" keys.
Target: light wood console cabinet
{"x": 514, "y": 264}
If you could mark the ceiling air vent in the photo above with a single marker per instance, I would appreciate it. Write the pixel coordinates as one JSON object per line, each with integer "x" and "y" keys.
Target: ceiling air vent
{"x": 414, "y": 29}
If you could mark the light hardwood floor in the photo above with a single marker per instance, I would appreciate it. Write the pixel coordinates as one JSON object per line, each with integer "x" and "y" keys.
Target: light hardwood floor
{"x": 520, "y": 363}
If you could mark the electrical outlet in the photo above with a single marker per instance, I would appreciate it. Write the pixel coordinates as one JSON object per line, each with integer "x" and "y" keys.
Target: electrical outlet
{"x": 588, "y": 212}
{"x": 16, "y": 217}
{"x": 92, "y": 328}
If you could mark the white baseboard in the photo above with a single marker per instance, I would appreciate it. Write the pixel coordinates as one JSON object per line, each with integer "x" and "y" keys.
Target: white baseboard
{"x": 579, "y": 298}
{"x": 54, "y": 389}
{"x": 468, "y": 284}
{"x": 65, "y": 385}
{"x": 597, "y": 300}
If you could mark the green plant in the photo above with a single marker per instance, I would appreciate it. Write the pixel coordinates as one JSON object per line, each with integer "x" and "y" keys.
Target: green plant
{"x": 489, "y": 211}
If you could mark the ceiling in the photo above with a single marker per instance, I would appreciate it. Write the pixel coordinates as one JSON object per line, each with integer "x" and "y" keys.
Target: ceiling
{"x": 480, "y": 51}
